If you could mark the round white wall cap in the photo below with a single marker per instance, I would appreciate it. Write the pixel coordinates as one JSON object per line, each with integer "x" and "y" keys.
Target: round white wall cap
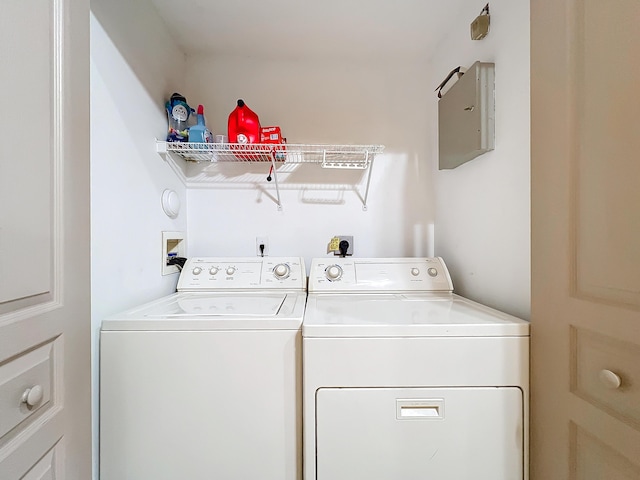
{"x": 170, "y": 203}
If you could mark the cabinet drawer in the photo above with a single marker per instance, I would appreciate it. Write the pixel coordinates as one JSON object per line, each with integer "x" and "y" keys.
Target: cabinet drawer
{"x": 606, "y": 372}
{"x": 25, "y": 387}
{"x": 20, "y": 464}
{"x": 47, "y": 468}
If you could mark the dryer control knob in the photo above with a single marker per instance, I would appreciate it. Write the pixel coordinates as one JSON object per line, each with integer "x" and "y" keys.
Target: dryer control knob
{"x": 231, "y": 270}
{"x": 415, "y": 271}
{"x": 281, "y": 271}
{"x": 196, "y": 270}
{"x": 214, "y": 270}
{"x": 333, "y": 272}
{"x": 432, "y": 272}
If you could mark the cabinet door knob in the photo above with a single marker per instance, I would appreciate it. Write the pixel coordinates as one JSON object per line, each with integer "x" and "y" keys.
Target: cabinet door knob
{"x": 32, "y": 396}
{"x": 610, "y": 379}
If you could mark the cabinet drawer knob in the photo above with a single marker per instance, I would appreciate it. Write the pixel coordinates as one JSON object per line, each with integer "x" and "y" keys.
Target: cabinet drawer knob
{"x": 32, "y": 396}
{"x": 610, "y": 379}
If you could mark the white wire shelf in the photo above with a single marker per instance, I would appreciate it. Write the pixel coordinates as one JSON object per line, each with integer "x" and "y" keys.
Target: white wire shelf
{"x": 328, "y": 156}
{"x": 353, "y": 157}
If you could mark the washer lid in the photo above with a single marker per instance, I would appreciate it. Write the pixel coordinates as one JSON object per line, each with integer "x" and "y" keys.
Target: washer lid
{"x": 405, "y": 315}
{"x": 214, "y": 311}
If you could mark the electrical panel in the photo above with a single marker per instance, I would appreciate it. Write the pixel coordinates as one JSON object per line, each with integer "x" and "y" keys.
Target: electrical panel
{"x": 466, "y": 117}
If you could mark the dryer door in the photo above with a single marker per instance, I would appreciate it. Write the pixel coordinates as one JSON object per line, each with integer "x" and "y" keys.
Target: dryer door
{"x": 416, "y": 433}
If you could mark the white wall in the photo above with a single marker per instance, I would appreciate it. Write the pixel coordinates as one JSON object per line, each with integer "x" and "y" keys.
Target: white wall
{"x": 328, "y": 101}
{"x": 482, "y": 207}
{"x": 130, "y": 80}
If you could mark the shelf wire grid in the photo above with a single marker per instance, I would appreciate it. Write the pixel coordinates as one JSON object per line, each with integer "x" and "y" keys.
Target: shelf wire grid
{"x": 329, "y": 156}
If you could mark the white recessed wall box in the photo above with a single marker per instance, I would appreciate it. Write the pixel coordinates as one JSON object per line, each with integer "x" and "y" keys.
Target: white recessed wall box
{"x": 466, "y": 117}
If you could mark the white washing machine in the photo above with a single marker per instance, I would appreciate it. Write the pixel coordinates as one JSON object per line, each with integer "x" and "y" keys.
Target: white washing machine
{"x": 404, "y": 379}
{"x": 206, "y": 383}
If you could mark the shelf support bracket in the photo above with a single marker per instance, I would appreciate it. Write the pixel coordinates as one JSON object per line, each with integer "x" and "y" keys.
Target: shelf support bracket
{"x": 275, "y": 177}
{"x": 366, "y": 190}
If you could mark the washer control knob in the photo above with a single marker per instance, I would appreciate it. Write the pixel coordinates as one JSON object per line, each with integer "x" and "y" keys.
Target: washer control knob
{"x": 231, "y": 270}
{"x": 415, "y": 271}
{"x": 214, "y": 270}
{"x": 281, "y": 271}
{"x": 432, "y": 272}
{"x": 196, "y": 270}
{"x": 333, "y": 272}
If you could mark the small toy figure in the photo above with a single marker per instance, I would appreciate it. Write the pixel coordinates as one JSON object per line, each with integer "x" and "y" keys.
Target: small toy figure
{"x": 178, "y": 113}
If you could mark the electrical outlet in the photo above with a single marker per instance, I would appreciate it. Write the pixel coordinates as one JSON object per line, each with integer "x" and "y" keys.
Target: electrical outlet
{"x": 262, "y": 252}
{"x": 341, "y": 238}
{"x": 173, "y": 244}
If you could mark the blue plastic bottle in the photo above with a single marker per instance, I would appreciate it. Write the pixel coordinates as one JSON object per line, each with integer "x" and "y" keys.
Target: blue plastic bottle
{"x": 199, "y": 133}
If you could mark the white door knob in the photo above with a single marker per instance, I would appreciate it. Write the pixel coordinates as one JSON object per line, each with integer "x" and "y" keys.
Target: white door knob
{"x": 32, "y": 396}
{"x": 610, "y": 379}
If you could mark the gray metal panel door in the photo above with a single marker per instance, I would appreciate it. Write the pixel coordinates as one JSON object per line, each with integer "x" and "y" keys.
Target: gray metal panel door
{"x": 466, "y": 116}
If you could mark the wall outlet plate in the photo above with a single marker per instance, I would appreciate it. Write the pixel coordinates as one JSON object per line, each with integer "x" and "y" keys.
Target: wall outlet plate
{"x": 173, "y": 244}
{"x": 334, "y": 244}
{"x": 263, "y": 240}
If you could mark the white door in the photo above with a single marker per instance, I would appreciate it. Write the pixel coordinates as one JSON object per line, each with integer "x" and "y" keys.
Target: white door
{"x": 45, "y": 428}
{"x": 585, "y": 334}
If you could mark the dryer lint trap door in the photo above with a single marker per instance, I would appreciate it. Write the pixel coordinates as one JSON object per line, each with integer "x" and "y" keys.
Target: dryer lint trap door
{"x": 443, "y": 433}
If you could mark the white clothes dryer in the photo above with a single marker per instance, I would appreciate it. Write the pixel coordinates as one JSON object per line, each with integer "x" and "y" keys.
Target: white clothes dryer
{"x": 404, "y": 379}
{"x": 206, "y": 383}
